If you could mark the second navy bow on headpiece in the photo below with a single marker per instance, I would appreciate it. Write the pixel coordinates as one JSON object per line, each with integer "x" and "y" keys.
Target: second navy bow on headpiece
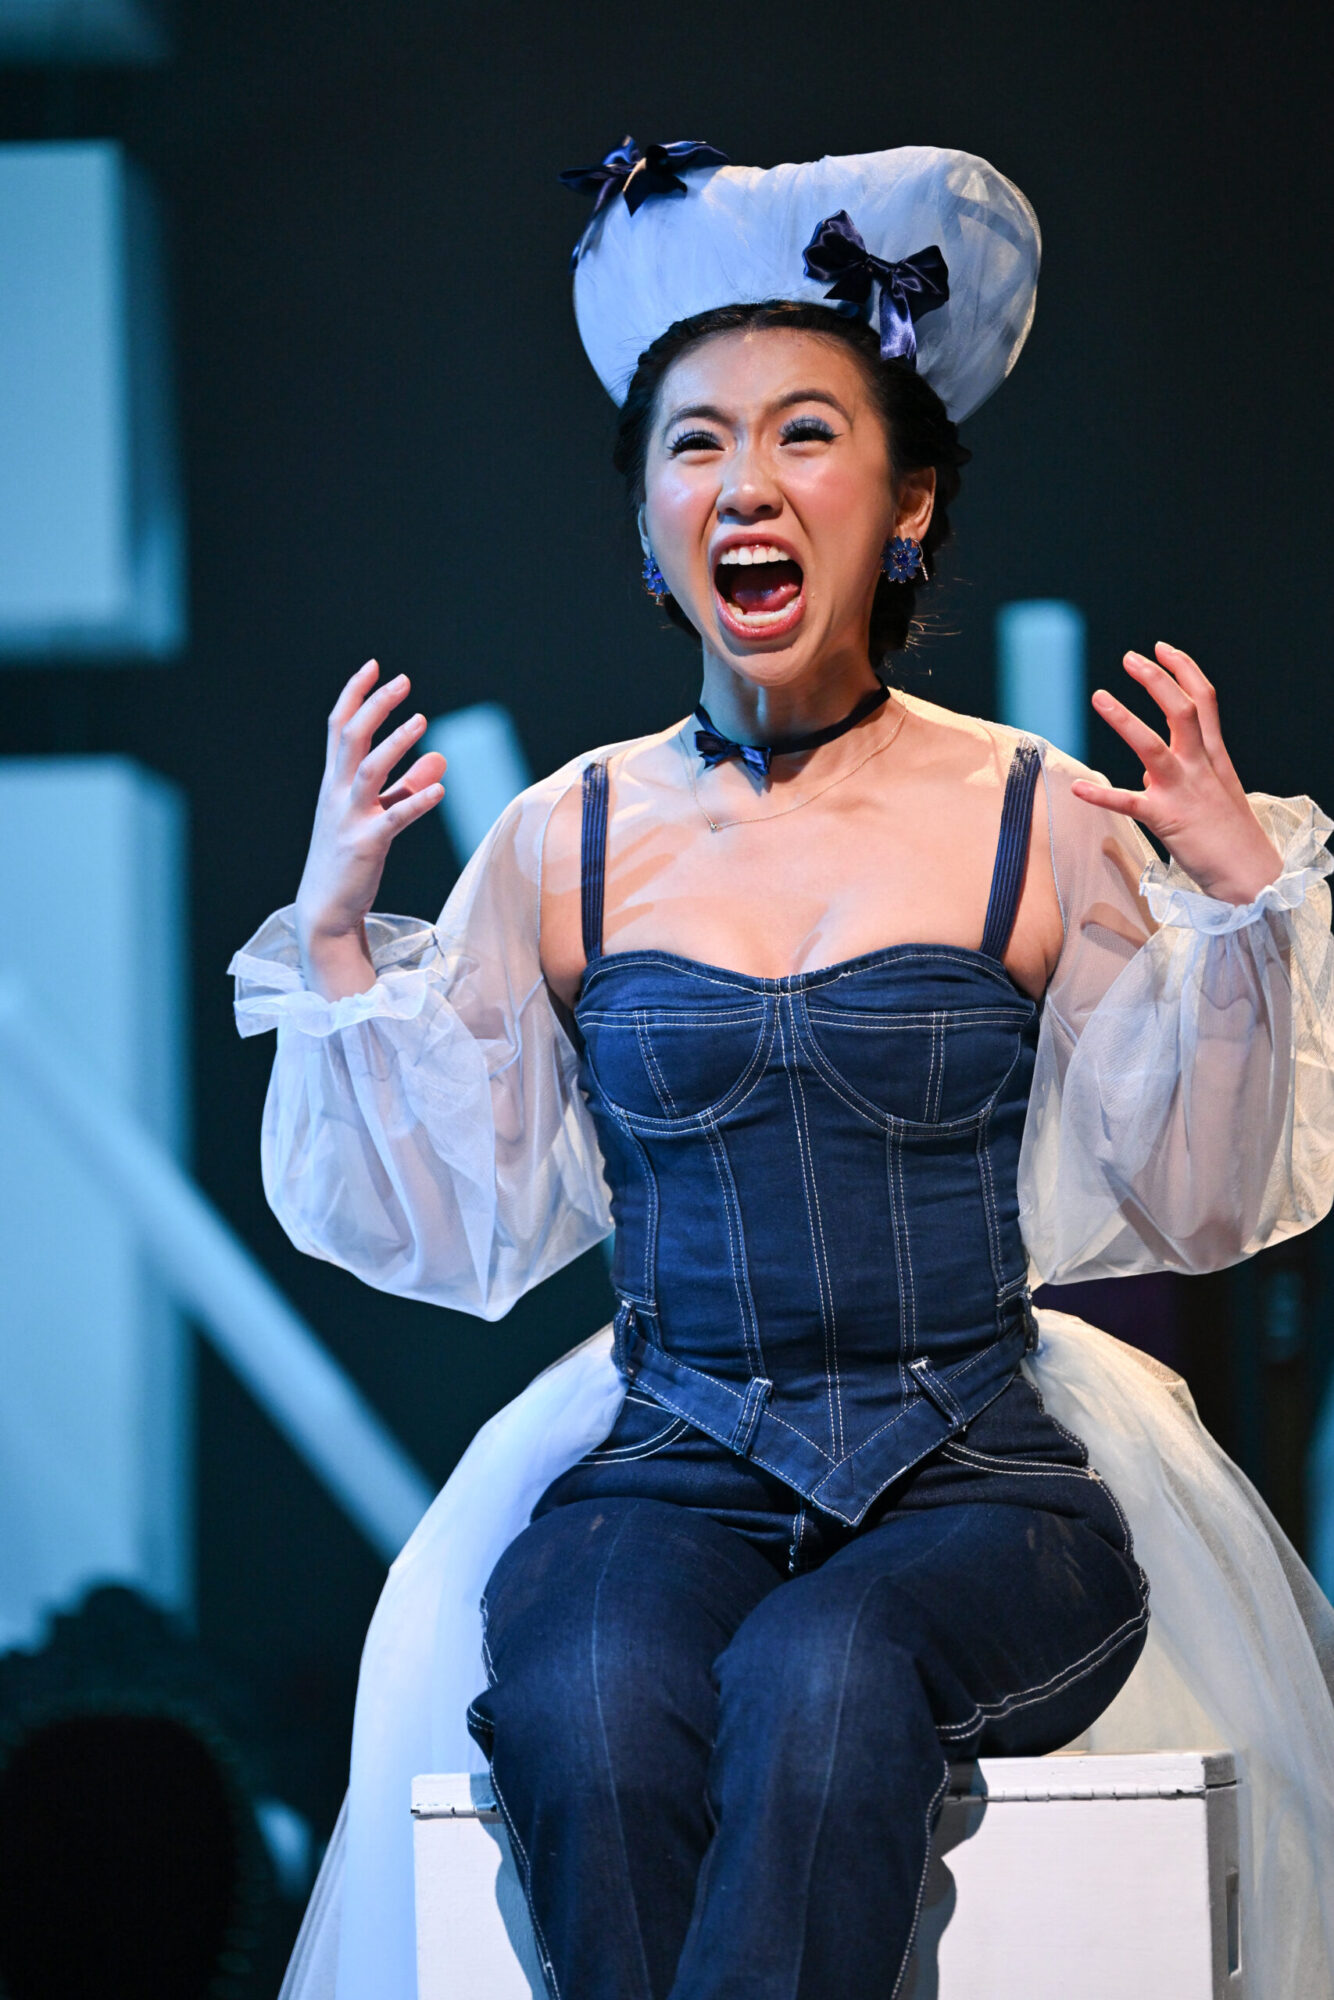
{"x": 909, "y": 288}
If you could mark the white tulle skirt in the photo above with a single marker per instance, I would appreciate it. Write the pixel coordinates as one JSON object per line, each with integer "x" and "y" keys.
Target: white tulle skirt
{"x": 1240, "y": 1655}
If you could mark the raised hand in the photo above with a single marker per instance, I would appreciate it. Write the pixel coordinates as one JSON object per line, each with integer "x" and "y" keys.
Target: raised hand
{"x": 357, "y": 817}
{"x": 1192, "y": 797}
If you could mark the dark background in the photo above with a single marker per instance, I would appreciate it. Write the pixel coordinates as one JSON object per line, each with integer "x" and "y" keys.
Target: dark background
{"x": 393, "y": 445}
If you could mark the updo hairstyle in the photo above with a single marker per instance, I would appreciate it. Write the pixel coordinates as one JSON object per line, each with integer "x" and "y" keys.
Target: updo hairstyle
{"x": 920, "y": 434}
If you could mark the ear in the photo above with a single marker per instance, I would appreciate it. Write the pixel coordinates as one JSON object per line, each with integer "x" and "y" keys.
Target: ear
{"x": 643, "y": 530}
{"x": 916, "y": 502}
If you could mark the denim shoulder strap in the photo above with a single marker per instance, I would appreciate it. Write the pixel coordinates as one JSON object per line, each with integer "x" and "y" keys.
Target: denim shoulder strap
{"x": 593, "y": 856}
{"x": 1012, "y": 847}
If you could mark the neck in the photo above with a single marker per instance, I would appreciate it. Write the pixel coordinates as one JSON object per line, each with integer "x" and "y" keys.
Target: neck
{"x": 751, "y": 710}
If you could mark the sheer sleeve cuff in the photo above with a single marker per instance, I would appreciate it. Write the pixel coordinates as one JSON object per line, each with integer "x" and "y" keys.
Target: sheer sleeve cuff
{"x": 270, "y": 989}
{"x": 1298, "y": 829}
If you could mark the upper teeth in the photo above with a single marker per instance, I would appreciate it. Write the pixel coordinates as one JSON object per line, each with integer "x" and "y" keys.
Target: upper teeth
{"x": 757, "y": 552}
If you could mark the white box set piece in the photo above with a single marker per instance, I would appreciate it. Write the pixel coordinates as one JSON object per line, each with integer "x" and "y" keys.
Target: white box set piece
{"x": 1105, "y": 1876}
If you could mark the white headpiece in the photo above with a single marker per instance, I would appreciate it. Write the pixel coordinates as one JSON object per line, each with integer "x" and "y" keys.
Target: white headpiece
{"x": 724, "y": 235}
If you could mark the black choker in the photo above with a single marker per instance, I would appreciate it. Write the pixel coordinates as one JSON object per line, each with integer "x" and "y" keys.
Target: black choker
{"x": 715, "y": 748}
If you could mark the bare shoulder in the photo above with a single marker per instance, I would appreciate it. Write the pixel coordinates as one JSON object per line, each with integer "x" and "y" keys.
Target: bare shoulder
{"x": 639, "y": 764}
{"x": 955, "y": 748}
{"x": 964, "y": 762}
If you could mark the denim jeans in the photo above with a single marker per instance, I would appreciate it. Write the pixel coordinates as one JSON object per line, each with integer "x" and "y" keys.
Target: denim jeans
{"x": 720, "y": 1722}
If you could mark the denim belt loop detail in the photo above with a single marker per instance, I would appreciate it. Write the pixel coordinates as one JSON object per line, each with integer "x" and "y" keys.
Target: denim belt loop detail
{"x": 623, "y": 1341}
{"x": 931, "y": 1385}
{"x": 758, "y": 1391}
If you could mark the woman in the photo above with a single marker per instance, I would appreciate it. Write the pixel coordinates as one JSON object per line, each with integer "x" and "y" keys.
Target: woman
{"x": 810, "y": 1530}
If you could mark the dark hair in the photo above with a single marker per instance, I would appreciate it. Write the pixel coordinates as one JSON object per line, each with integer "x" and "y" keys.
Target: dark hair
{"x": 920, "y": 433}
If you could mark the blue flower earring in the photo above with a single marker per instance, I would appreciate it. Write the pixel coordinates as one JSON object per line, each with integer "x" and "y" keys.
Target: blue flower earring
{"x": 655, "y": 583}
{"x": 902, "y": 560}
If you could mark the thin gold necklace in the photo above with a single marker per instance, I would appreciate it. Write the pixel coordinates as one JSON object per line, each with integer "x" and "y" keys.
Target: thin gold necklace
{"x": 719, "y": 825}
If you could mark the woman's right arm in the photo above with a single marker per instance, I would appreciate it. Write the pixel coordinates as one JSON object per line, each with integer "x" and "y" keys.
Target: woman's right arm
{"x": 357, "y": 816}
{"x": 423, "y": 1125}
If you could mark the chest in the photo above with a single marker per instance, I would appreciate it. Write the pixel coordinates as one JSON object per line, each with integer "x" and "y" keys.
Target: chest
{"x": 778, "y": 894}
{"x": 908, "y": 1037}
{"x": 778, "y": 901}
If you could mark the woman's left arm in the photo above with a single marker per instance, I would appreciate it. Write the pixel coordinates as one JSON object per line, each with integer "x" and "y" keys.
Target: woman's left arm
{"x": 1182, "y": 1114}
{"x": 1192, "y": 798}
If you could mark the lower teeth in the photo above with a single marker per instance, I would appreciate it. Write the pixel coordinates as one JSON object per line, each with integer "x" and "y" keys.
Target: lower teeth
{"x": 759, "y": 617}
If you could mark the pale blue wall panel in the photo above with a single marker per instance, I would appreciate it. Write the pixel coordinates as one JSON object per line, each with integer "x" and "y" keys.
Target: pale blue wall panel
{"x": 91, "y": 529}
{"x": 1040, "y": 672}
{"x": 486, "y": 768}
{"x": 95, "y": 1416}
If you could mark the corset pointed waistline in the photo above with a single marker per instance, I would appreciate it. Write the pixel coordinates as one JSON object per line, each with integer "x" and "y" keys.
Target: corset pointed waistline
{"x": 741, "y": 1416}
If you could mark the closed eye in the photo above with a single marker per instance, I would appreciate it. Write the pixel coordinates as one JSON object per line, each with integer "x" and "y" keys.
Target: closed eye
{"x": 806, "y": 430}
{"x": 693, "y": 441}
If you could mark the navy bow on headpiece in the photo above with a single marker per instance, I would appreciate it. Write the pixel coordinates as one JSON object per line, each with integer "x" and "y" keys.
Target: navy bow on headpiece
{"x": 916, "y": 285}
{"x": 638, "y": 172}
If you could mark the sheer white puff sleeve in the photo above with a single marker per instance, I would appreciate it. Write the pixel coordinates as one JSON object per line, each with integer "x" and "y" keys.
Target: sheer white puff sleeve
{"x": 1182, "y": 1114}
{"x": 429, "y": 1134}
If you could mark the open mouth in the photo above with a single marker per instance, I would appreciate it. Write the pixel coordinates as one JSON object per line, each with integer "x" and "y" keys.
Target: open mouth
{"x": 759, "y": 590}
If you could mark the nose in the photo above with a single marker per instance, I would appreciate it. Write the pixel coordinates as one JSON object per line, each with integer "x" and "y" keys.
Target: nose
{"x": 749, "y": 491}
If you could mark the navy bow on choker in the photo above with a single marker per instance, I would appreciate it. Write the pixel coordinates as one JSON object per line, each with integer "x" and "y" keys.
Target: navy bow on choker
{"x": 916, "y": 285}
{"x": 716, "y": 748}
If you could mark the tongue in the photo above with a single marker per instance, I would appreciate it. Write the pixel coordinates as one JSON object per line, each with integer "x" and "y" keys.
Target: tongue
{"x": 764, "y": 597}
{"x": 764, "y": 586}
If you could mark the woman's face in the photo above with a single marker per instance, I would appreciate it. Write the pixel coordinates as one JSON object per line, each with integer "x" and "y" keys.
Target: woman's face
{"x": 767, "y": 498}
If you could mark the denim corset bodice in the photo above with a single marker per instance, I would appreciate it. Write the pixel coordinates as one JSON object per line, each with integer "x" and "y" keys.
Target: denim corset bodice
{"x": 814, "y": 1186}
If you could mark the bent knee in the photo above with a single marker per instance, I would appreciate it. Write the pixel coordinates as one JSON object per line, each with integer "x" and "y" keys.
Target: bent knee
{"x": 813, "y": 1653}
{"x": 592, "y": 1636}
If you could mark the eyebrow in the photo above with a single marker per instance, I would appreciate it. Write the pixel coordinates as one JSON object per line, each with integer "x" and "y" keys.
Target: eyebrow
{"x": 717, "y": 416}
